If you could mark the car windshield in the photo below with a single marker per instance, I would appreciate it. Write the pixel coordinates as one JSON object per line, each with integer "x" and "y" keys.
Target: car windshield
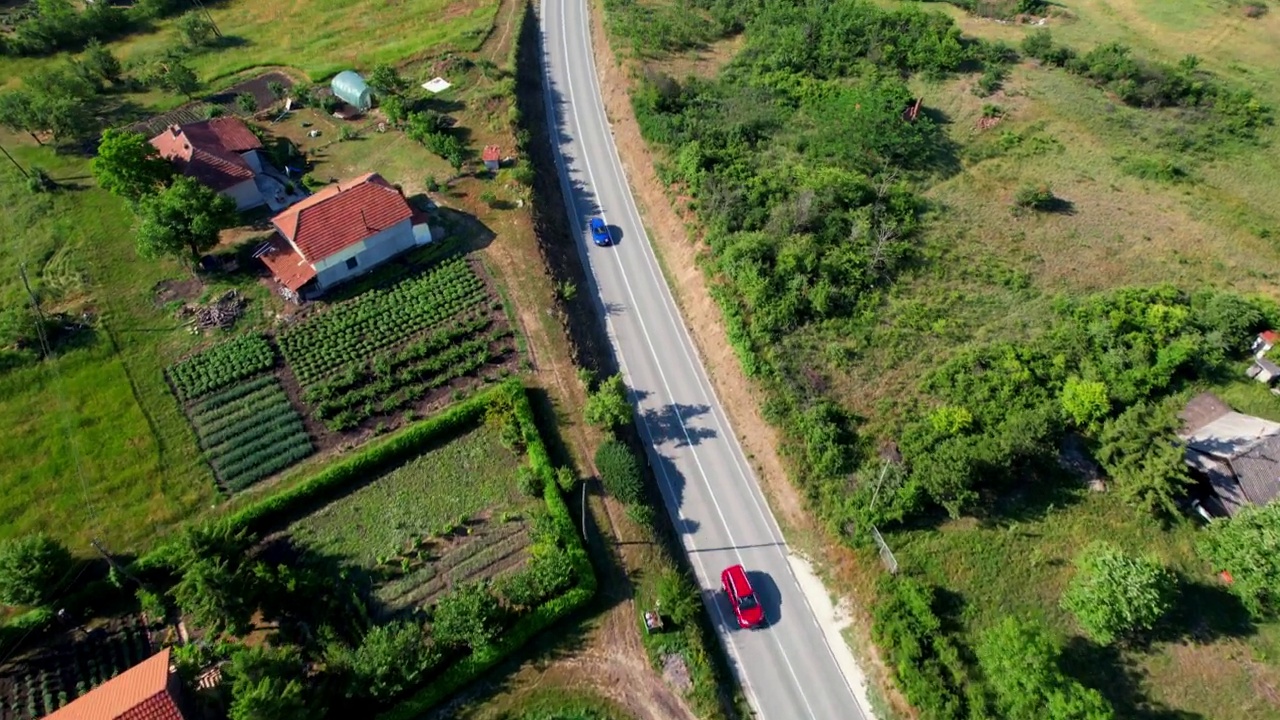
{"x": 746, "y": 602}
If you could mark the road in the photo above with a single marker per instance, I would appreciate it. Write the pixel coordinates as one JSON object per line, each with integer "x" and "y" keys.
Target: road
{"x": 789, "y": 670}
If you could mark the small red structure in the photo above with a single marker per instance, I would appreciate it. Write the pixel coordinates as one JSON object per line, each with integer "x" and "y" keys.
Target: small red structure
{"x": 1226, "y": 577}
{"x": 492, "y": 157}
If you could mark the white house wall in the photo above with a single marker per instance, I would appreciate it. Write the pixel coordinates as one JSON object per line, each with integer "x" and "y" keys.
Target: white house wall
{"x": 369, "y": 253}
{"x": 253, "y": 159}
{"x": 246, "y": 194}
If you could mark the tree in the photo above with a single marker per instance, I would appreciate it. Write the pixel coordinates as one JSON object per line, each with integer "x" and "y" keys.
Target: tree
{"x": 1085, "y": 401}
{"x": 31, "y": 568}
{"x": 99, "y": 61}
{"x": 391, "y": 659}
{"x": 247, "y": 102}
{"x": 620, "y": 471}
{"x": 129, "y": 166}
{"x": 394, "y": 108}
{"x": 216, "y": 580}
{"x": 277, "y": 89}
{"x": 176, "y": 76}
{"x": 60, "y": 102}
{"x": 1248, "y": 547}
{"x": 1139, "y": 453}
{"x": 607, "y": 406}
{"x": 183, "y": 220}
{"x": 422, "y": 124}
{"x": 386, "y": 81}
{"x": 195, "y": 29}
{"x": 17, "y": 113}
{"x": 266, "y": 684}
{"x": 1114, "y": 595}
{"x": 1020, "y": 662}
{"x": 468, "y": 616}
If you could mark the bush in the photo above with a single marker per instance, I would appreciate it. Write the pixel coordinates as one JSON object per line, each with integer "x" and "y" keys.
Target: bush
{"x": 1034, "y": 197}
{"x": 1248, "y": 547}
{"x": 925, "y": 659}
{"x": 1115, "y": 596}
{"x": 528, "y": 482}
{"x": 391, "y": 659}
{"x": 607, "y": 406}
{"x": 32, "y": 569}
{"x": 247, "y": 102}
{"x": 152, "y": 605}
{"x": 620, "y": 471}
{"x": 468, "y": 616}
{"x": 990, "y": 81}
{"x": 1021, "y": 663}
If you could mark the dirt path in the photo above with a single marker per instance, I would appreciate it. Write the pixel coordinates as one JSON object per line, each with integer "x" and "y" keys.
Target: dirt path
{"x": 668, "y": 224}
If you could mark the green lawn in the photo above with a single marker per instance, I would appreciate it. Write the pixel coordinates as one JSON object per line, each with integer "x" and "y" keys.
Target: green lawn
{"x": 467, "y": 476}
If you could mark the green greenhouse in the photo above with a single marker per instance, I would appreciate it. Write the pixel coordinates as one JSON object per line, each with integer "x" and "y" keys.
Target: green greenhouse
{"x": 351, "y": 89}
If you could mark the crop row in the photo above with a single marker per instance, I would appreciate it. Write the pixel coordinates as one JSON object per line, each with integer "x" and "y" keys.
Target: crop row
{"x": 353, "y": 329}
{"x": 232, "y": 394}
{"x": 372, "y": 386}
{"x": 267, "y": 461}
{"x": 221, "y": 365}
{"x": 385, "y": 366}
{"x": 268, "y": 418}
{"x": 407, "y": 394}
{"x": 268, "y": 402}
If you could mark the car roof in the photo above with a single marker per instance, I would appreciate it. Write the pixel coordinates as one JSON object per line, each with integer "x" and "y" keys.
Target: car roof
{"x": 595, "y": 221}
{"x": 737, "y": 576}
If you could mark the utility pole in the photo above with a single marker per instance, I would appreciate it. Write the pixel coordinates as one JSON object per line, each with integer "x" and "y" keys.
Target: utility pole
{"x": 35, "y": 305}
{"x": 584, "y": 511}
{"x": 15, "y": 162}
{"x": 201, "y": 5}
{"x": 112, "y": 561}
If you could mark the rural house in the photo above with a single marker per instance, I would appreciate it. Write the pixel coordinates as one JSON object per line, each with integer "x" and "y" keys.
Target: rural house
{"x": 343, "y": 230}
{"x": 221, "y": 153}
{"x": 149, "y": 690}
{"x": 1238, "y": 454}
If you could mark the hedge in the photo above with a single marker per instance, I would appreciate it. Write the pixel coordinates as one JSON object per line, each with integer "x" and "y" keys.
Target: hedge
{"x": 374, "y": 459}
{"x": 467, "y": 670}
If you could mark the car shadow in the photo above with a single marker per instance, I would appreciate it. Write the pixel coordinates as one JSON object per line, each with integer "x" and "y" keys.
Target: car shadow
{"x": 768, "y": 594}
{"x": 615, "y": 234}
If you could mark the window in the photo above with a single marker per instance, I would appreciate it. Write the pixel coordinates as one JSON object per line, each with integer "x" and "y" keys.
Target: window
{"x": 352, "y": 263}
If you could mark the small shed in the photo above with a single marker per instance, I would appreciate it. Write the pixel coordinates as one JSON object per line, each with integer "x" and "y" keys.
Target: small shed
{"x": 1264, "y": 371}
{"x": 351, "y": 89}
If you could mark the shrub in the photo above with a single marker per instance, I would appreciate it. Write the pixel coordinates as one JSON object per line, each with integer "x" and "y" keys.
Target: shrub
{"x": 391, "y": 659}
{"x": 152, "y": 605}
{"x": 607, "y": 406}
{"x": 346, "y": 132}
{"x": 924, "y": 656}
{"x": 1020, "y": 661}
{"x": 566, "y": 479}
{"x": 620, "y": 471}
{"x": 528, "y": 482}
{"x": 1034, "y": 197}
{"x": 32, "y": 568}
{"x": 990, "y": 81}
{"x": 1248, "y": 547}
{"x": 469, "y": 616}
{"x": 247, "y": 102}
{"x": 1114, "y": 595}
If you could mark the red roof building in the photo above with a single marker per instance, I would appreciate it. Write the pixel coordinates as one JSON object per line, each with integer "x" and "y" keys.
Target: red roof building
{"x": 341, "y": 231}
{"x": 147, "y": 691}
{"x": 221, "y": 153}
{"x": 492, "y": 157}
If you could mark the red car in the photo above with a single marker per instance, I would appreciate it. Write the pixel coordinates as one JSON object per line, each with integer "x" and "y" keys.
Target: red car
{"x": 743, "y": 599}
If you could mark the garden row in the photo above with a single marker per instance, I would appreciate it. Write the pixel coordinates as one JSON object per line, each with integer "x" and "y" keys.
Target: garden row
{"x": 381, "y": 318}
{"x": 60, "y": 677}
{"x": 250, "y": 431}
{"x": 221, "y": 365}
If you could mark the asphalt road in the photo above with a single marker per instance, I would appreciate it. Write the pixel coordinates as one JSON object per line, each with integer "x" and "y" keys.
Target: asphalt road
{"x": 788, "y": 669}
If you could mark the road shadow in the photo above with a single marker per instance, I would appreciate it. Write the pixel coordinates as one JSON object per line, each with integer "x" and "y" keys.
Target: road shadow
{"x": 670, "y": 423}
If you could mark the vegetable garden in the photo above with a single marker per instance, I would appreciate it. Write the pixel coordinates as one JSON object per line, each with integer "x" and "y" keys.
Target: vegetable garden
{"x": 221, "y": 365}
{"x": 39, "y": 685}
{"x": 383, "y": 351}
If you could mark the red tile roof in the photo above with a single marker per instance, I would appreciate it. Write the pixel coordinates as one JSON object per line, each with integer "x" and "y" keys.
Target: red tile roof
{"x": 492, "y": 153}
{"x": 291, "y": 269}
{"x": 342, "y": 215}
{"x": 1270, "y": 336}
{"x": 139, "y": 693}
{"x": 209, "y": 151}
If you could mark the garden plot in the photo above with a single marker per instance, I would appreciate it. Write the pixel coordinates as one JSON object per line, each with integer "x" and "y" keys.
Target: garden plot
{"x": 244, "y": 422}
{"x": 449, "y": 515}
{"x": 60, "y": 672}
{"x": 393, "y": 348}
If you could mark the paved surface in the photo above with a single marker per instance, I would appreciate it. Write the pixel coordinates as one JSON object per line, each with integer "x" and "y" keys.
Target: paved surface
{"x": 788, "y": 669}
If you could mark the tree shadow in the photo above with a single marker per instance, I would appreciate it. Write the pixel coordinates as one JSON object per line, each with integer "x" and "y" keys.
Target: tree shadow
{"x": 1204, "y": 613}
{"x": 1120, "y": 680}
{"x": 670, "y": 424}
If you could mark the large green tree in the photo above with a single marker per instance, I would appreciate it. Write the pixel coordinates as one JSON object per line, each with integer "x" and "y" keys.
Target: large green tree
{"x": 31, "y": 568}
{"x": 1114, "y": 595}
{"x": 183, "y": 220}
{"x": 216, "y": 579}
{"x": 1020, "y": 662}
{"x": 1248, "y": 547}
{"x": 1140, "y": 453}
{"x": 129, "y": 166}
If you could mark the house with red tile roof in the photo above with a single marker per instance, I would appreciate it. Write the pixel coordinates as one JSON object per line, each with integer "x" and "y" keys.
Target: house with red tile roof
{"x": 221, "y": 153}
{"x": 149, "y": 690}
{"x": 343, "y": 230}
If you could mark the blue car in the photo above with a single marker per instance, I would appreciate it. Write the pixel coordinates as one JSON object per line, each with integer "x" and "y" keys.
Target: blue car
{"x": 600, "y": 232}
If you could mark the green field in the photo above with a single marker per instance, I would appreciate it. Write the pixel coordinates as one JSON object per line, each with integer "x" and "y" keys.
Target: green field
{"x": 432, "y": 492}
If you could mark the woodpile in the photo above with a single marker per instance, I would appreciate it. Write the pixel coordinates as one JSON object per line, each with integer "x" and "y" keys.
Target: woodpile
{"x": 222, "y": 313}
